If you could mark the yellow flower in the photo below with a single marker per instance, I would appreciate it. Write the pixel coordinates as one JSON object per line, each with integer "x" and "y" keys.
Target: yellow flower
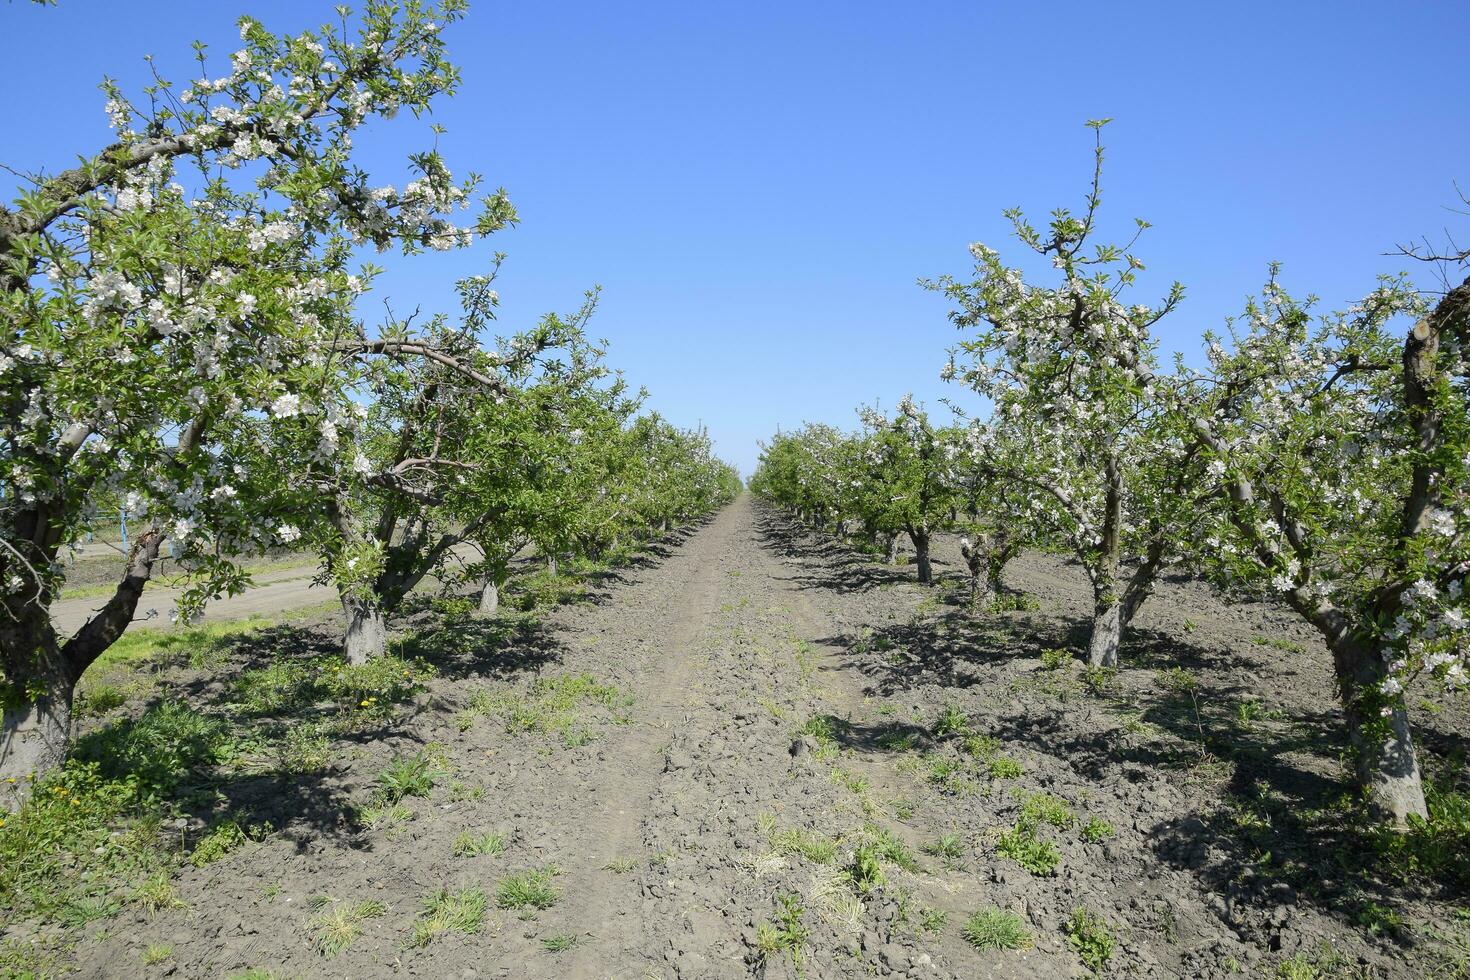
{"x": 364, "y": 704}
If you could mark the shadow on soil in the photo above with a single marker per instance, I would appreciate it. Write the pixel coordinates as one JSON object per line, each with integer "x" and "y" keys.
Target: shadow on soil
{"x": 1270, "y": 819}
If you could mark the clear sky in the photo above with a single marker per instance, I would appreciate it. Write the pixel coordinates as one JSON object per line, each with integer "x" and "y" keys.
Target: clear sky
{"x": 758, "y": 185}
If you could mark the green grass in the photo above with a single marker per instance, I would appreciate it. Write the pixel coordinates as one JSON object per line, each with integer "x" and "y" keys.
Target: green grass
{"x": 222, "y": 838}
{"x": 810, "y": 844}
{"x": 470, "y": 844}
{"x": 995, "y": 929}
{"x": 558, "y": 944}
{"x": 156, "y": 953}
{"x": 553, "y": 706}
{"x": 528, "y": 890}
{"x": 94, "y": 826}
{"x": 951, "y": 721}
{"x": 446, "y": 911}
{"x": 948, "y": 846}
{"x": 1004, "y": 767}
{"x": 334, "y": 931}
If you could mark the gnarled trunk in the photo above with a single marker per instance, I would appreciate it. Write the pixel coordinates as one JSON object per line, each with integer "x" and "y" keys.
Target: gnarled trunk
{"x": 367, "y": 630}
{"x": 890, "y": 550}
{"x": 1386, "y": 761}
{"x": 36, "y": 733}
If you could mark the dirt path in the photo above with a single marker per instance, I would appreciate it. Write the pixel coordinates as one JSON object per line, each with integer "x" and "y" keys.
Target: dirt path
{"x": 272, "y": 592}
{"x": 697, "y": 760}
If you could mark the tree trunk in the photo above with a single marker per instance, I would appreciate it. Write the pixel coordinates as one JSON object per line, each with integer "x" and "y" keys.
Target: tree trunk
{"x": 1386, "y": 761}
{"x": 982, "y": 592}
{"x": 551, "y": 563}
{"x": 1107, "y": 633}
{"x": 489, "y": 598}
{"x": 367, "y": 631}
{"x": 921, "y": 553}
{"x": 36, "y": 733}
{"x": 890, "y": 550}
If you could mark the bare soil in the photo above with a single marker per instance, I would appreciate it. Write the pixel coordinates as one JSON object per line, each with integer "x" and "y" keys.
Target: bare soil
{"x": 666, "y": 825}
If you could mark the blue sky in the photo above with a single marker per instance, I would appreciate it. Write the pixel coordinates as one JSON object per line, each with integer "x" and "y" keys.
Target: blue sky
{"x": 757, "y": 186}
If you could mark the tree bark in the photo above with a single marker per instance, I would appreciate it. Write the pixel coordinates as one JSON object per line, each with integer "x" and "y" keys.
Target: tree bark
{"x": 890, "y": 550}
{"x": 36, "y": 733}
{"x": 551, "y": 562}
{"x": 921, "y": 553}
{"x": 367, "y": 630}
{"x": 1107, "y": 633}
{"x": 489, "y": 599}
{"x": 1386, "y": 760}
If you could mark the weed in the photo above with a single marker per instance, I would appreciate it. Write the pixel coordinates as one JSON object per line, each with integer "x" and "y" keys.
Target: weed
{"x": 334, "y": 931}
{"x": 157, "y": 894}
{"x": 996, "y": 929}
{"x": 980, "y": 746}
{"x": 414, "y": 775}
{"x": 947, "y": 846}
{"x": 866, "y": 871}
{"x": 1055, "y": 659}
{"x": 222, "y": 838}
{"x": 1021, "y": 845}
{"x": 528, "y": 890}
{"x": 558, "y": 944}
{"x": 96, "y": 700}
{"x": 1004, "y": 767}
{"x": 156, "y": 953}
{"x": 1380, "y": 920}
{"x": 788, "y": 935}
{"x": 1045, "y": 808}
{"x": 1096, "y": 830}
{"x": 1178, "y": 680}
{"x": 810, "y": 844}
{"x": 951, "y": 721}
{"x": 445, "y": 911}
{"x": 1091, "y": 938}
{"x": 470, "y": 844}
{"x": 933, "y": 920}
{"x": 301, "y": 751}
{"x": 620, "y": 866}
{"x": 1099, "y": 679}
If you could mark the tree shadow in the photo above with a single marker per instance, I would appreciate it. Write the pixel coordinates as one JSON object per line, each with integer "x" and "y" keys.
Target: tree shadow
{"x": 827, "y": 564}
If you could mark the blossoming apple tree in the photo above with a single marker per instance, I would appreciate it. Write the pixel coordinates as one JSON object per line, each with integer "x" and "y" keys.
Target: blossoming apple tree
{"x": 1340, "y": 465}
{"x": 1078, "y": 411}
{"x": 174, "y": 283}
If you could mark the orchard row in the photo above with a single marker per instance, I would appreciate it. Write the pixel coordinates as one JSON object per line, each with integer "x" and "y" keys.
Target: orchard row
{"x": 1323, "y": 458}
{"x": 180, "y": 340}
